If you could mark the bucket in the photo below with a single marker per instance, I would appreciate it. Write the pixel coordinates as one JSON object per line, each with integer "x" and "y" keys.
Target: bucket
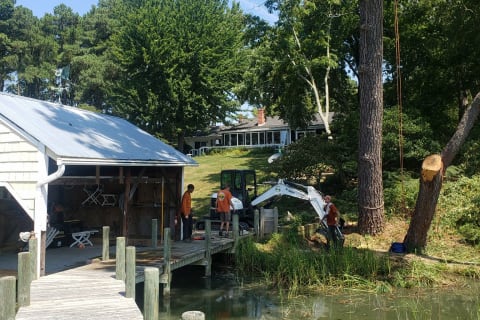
{"x": 397, "y": 247}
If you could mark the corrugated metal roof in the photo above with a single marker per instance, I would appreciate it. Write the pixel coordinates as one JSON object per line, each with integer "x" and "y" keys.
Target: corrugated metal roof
{"x": 76, "y": 136}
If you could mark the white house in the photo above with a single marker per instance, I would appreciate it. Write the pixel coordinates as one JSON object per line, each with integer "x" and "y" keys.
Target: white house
{"x": 263, "y": 131}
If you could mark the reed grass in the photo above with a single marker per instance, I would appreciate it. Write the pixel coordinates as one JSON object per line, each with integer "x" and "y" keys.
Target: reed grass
{"x": 289, "y": 264}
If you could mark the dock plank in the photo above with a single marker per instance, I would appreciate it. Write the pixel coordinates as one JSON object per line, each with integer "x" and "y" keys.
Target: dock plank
{"x": 81, "y": 294}
{"x": 93, "y": 292}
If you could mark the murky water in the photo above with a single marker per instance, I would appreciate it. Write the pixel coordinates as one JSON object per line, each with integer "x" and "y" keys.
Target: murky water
{"x": 223, "y": 296}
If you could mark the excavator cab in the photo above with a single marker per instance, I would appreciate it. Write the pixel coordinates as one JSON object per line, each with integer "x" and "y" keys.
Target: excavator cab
{"x": 243, "y": 186}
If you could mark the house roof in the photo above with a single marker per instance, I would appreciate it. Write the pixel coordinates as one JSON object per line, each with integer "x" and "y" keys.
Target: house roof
{"x": 271, "y": 123}
{"x": 79, "y": 137}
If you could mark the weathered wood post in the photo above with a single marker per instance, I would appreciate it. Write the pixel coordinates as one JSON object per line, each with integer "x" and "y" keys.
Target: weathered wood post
{"x": 275, "y": 220}
{"x": 7, "y": 298}
{"x": 130, "y": 272}
{"x": 167, "y": 256}
{"x": 154, "y": 233}
{"x": 43, "y": 249}
{"x": 208, "y": 247}
{"x": 106, "y": 243}
{"x": 236, "y": 232}
{"x": 151, "y": 294}
{"x": 256, "y": 223}
{"x": 33, "y": 249}
{"x": 262, "y": 222}
{"x": 120, "y": 259}
{"x": 24, "y": 279}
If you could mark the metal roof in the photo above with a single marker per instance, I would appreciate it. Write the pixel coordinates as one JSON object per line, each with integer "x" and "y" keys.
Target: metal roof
{"x": 79, "y": 137}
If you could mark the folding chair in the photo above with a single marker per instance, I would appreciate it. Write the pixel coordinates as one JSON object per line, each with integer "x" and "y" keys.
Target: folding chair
{"x": 92, "y": 195}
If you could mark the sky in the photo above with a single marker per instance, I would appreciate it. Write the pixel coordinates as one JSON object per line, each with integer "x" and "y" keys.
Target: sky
{"x": 40, "y": 7}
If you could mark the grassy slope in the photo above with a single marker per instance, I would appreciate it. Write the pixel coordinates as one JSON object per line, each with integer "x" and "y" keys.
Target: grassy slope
{"x": 206, "y": 177}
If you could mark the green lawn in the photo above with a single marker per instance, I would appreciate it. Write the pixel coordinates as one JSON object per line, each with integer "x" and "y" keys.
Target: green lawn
{"x": 206, "y": 176}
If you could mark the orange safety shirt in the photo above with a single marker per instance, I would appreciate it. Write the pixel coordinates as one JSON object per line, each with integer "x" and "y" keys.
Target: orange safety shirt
{"x": 224, "y": 197}
{"x": 186, "y": 208}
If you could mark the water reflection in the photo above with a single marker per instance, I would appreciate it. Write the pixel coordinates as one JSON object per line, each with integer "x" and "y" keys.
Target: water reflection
{"x": 224, "y": 296}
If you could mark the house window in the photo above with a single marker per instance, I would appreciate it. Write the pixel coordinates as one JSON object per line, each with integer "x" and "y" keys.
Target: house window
{"x": 226, "y": 139}
{"x": 241, "y": 139}
{"x": 233, "y": 141}
{"x": 261, "y": 136}
{"x": 254, "y": 138}
{"x": 276, "y": 137}
{"x": 269, "y": 137}
{"x": 200, "y": 144}
{"x": 248, "y": 139}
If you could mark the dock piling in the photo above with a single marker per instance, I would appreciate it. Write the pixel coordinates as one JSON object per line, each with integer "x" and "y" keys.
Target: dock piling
{"x": 130, "y": 272}
{"x": 154, "y": 233}
{"x": 24, "y": 278}
{"x": 33, "y": 249}
{"x": 167, "y": 269}
{"x": 106, "y": 243}
{"x": 8, "y": 298}
{"x": 208, "y": 247}
{"x": 120, "y": 259}
{"x": 151, "y": 294}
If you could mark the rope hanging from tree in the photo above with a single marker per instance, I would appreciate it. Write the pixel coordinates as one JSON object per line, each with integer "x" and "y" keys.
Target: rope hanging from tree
{"x": 399, "y": 103}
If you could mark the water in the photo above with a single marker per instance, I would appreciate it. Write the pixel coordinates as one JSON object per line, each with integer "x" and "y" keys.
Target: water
{"x": 223, "y": 296}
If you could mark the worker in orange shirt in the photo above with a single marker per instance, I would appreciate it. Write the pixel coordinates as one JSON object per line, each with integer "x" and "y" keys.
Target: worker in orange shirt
{"x": 224, "y": 201}
{"x": 187, "y": 214}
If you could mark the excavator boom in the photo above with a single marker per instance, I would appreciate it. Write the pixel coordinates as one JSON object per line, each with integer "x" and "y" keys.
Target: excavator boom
{"x": 285, "y": 188}
{"x": 309, "y": 193}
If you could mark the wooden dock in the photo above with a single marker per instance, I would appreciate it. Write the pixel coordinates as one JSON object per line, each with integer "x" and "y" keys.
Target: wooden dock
{"x": 182, "y": 254}
{"x": 80, "y": 293}
{"x": 92, "y": 292}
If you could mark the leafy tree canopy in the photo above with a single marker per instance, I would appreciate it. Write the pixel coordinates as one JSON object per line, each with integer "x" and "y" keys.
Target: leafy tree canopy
{"x": 179, "y": 63}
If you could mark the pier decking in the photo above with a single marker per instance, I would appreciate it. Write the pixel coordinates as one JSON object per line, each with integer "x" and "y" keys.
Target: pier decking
{"x": 92, "y": 292}
{"x": 182, "y": 254}
{"x": 80, "y": 293}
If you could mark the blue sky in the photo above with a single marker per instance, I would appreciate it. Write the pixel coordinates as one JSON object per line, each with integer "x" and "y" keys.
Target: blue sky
{"x": 40, "y": 7}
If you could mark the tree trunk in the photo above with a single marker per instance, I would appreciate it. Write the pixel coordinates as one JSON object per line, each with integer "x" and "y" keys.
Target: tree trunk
{"x": 430, "y": 185}
{"x": 181, "y": 141}
{"x": 431, "y": 181}
{"x": 370, "y": 184}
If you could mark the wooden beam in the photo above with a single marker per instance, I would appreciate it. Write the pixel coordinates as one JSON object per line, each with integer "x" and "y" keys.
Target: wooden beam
{"x": 125, "y": 203}
{"x": 97, "y": 175}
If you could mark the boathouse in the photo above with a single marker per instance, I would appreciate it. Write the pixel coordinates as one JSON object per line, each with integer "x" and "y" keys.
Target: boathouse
{"x": 101, "y": 169}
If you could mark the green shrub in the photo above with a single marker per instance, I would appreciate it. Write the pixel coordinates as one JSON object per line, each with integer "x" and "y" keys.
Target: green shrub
{"x": 400, "y": 194}
{"x": 459, "y": 205}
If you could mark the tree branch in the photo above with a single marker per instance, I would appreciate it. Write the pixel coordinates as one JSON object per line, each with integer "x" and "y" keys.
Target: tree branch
{"x": 463, "y": 129}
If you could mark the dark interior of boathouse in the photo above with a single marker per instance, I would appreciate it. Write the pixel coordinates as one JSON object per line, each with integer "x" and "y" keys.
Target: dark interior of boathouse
{"x": 93, "y": 196}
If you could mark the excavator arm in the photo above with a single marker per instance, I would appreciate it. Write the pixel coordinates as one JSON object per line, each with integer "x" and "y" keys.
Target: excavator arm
{"x": 309, "y": 193}
{"x": 286, "y": 188}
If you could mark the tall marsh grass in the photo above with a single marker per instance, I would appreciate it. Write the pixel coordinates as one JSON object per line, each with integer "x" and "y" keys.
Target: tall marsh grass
{"x": 288, "y": 264}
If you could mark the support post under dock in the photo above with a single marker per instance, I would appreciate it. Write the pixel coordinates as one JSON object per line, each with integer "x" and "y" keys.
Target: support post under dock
{"x": 208, "y": 247}
{"x": 167, "y": 270}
